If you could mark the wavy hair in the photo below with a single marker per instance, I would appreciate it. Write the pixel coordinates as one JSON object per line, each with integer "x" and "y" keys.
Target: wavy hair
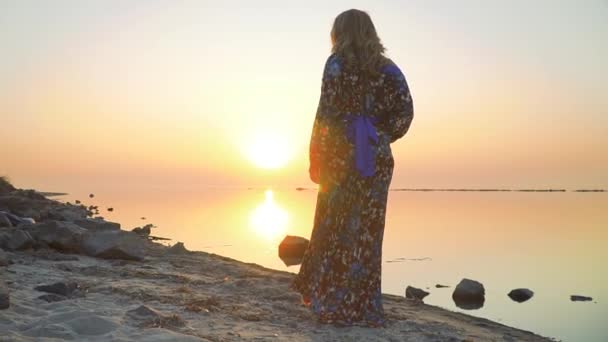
{"x": 356, "y": 41}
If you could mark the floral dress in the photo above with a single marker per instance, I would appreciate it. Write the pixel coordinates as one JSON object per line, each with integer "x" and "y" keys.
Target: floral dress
{"x": 357, "y": 119}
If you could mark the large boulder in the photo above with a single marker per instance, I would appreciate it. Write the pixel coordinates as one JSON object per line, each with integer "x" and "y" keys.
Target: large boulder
{"x": 15, "y": 239}
{"x": 97, "y": 224}
{"x": 469, "y": 294}
{"x": 521, "y": 295}
{"x": 114, "y": 245}
{"x": 4, "y": 296}
{"x": 415, "y": 293}
{"x": 5, "y": 221}
{"x": 62, "y": 236}
{"x": 292, "y": 249}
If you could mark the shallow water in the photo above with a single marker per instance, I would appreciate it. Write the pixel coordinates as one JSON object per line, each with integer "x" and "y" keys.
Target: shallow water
{"x": 552, "y": 243}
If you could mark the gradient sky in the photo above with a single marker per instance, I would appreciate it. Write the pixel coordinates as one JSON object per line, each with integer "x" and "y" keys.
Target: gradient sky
{"x": 171, "y": 93}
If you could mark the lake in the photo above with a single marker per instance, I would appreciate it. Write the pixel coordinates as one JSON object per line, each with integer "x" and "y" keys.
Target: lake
{"x": 553, "y": 243}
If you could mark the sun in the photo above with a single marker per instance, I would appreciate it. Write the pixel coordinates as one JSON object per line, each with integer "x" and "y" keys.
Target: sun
{"x": 268, "y": 151}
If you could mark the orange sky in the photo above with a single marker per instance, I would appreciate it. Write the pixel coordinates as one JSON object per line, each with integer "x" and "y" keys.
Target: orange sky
{"x": 172, "y": 94}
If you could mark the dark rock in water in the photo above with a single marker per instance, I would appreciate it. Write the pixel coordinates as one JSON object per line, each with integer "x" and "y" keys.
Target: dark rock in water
{"x": 16, "y": 239}
{"x": 4, "y": 221}
{"x": 521, "y": 295}
{"x": 114, "y": 245}
{"x": 97, "y": 224}
{"x": 110, "y": 209}
{"x": 4, "y": 296}
{"x": 51, "y": 297}
{"x": 65, "y": 289}
{"x": 439, "y": 286}
{"x": 415, "y": 293}
{"x": 292, "y": 248}
{"x": 178, "y": 248}
{"x": 469, "y": 294}
{"x": 91, "y": 195}
{"x": 577, "y": 298}
{"x": 4, "y": 261}
{"x": 62, "y": 236}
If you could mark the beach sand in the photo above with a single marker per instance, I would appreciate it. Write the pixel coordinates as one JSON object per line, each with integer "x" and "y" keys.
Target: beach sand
{"x": 200, "y": 296}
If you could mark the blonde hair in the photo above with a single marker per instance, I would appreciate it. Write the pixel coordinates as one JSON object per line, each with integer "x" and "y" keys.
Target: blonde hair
{"x": 356, "y": 41}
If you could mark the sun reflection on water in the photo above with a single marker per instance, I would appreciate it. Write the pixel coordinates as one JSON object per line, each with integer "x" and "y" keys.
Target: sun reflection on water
{"x": 268, "y": 219}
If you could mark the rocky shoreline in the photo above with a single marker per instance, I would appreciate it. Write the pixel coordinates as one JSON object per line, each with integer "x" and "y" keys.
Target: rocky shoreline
{"x": 71, "y": 277}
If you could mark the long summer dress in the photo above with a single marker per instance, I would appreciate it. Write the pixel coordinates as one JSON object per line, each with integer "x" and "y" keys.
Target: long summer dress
{"x": 350, "y": 150}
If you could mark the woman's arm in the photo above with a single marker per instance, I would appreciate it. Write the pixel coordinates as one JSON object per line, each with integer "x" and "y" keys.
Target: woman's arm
{"x": 320, "y": 126}
{"x": 402, "y": 109}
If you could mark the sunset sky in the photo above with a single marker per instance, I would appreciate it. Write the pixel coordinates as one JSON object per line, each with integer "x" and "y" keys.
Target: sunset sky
{"x": 196, "y": 93}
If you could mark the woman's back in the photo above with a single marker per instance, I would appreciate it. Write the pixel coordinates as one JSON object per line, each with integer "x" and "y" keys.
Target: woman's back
{"x": 365, "y": 105}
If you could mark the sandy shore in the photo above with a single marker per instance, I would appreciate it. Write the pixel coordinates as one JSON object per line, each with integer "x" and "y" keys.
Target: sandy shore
{"x": 200, "y": 296}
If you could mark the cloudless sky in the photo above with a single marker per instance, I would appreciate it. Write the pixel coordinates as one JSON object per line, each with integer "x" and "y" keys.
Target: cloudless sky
{"x": 171, "y": 93}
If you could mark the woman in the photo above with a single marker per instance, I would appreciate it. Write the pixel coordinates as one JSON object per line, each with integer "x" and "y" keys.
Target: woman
{"x": 365, "y": 105}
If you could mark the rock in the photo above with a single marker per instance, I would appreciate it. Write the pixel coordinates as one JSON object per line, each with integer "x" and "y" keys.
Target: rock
{"x": 577, "y": 298}
{"x": 144, "y": 316}
{"x": 65, "y": 289}
{"x": 439, "y": 286}
{"x": 67, "y": 213}
{"x": 4, "y": 261}
{"x": 4, "y": 221}
{"x": 469, "y": 294}
{"x": 292, "y": 248}
{"x": 178, "y": 248}
{"x": 14, "y": 220}
{"x": 97, "y": 225}
{"x": 415, "y": 293}
{"x": 521, "y": 295}
{"x": 143, "y": 231}
{"x": 5, "y": 186}
{"x": 50, "y": 298}
{"x": 114, "y": 245}
{"x": 18, "y": 240}
{"x": 143, "y": 312}
{"x": 62, "y": 236}
{"x": 4, "y": 296}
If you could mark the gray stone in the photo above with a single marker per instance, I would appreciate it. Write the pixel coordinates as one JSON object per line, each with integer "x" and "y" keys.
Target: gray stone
{"x": 469, "y": 294}
{"x": 143, "y": 231}
{"x": 18, "y": 240}
{"x": 97, "y": 225}
{"x": 62, "y": 236}
{"x": 143, "y": 312}
{"x": 144, "y": 316}
{"x": 114, "y": 245}
{"x": 61, "y": 288}
{"x": 4, "y": 296}
{"x": 178, "y": 248}
{"x": 4, "y": 221}
{"x": 415, "y": 293}
{"x": 520, "y": 295}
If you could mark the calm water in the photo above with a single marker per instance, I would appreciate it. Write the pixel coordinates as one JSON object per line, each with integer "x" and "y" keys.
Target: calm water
{"x": 552, "y": 243}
